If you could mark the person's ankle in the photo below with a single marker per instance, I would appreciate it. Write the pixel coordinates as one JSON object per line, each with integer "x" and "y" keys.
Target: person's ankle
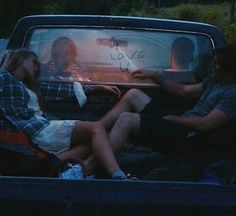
{"x": 89, "y": 167}
{"x": 118, "y": 174}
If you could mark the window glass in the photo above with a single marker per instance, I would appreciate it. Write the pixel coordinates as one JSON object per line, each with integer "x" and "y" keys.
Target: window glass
{"x": 110, "y": 55}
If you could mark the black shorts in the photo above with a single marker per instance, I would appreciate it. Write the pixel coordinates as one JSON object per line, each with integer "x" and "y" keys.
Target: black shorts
{"x": 154, "y": 129}
{"x": 156, "y": 132}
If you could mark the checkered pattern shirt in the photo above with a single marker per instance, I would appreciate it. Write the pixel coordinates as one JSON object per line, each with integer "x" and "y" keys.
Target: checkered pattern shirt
{"x": 56, "y": 91}
{"x": 14, "y": 112}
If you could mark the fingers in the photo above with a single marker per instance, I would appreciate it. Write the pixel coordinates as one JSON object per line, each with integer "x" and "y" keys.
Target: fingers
{"x": 142, "y": 74}
{"x": 115, "y": 90}
{"x": 136, "y": 73}
{"x": 112, "y": 89}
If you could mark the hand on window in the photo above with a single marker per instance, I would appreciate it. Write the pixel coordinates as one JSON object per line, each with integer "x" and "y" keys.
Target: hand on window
{"x": 147, "y": 74}
{"x": 143, "y": 74}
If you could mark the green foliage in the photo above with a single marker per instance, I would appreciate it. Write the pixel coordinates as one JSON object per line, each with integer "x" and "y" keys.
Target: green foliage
{"x": 214, "y": 12}
{"x": 53, "y": 8}
{"x": 122, "y": 8}
{"x": 145, "y": 10}
{"x": 186, "y": 12}
{"x": 211, "y": 16}
{"x": 229, "y": 30}
{"x": 127, "y": 7}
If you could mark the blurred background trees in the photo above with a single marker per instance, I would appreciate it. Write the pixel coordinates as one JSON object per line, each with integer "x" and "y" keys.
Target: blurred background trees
{"x": 217, "y": 12}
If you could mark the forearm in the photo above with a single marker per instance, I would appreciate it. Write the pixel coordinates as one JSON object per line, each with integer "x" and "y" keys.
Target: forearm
{"x": 195, "y": 122}
{"x": 182, "y": 90}
{"x": 172, "y": 87}
{"x": 167, "y": 84}
{"x": 214, "y": 119}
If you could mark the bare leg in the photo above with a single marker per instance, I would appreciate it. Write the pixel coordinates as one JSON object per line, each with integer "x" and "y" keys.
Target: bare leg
{"x": 80, "y": 151}
{"x": 124, "y": 126}
{"x": 133, "y": 101}
{"x": 95, "y": 135}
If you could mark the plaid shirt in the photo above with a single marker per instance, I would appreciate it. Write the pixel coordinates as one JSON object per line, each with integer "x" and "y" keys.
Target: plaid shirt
{"x": 54, "y": 91}
{"x": 14, "y": 112}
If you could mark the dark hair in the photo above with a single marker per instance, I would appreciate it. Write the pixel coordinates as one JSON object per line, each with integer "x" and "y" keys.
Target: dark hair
{"x": 182, "y": 49}
{"x": 15, "y": 58}
{"x": 226, "y": 57}
{"x": 58, "y": 46}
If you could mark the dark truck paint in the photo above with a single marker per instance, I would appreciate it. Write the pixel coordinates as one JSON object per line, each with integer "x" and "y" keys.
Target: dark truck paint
{"x": 45, "y": 196}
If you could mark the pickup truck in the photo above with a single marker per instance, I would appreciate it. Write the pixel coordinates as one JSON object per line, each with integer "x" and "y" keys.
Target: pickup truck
{"x": 104, "y": 50}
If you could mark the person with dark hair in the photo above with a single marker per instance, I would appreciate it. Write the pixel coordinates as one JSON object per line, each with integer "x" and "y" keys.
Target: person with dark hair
{"x": 215, "y": 109}
{"x": 20, "y": 111}
{"x": 63, "y": 63}
{"x": 181, "y": 56}
{"x": 181, "y": 53}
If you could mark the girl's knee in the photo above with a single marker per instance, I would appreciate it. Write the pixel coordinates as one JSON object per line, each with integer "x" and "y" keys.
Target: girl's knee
{"x": 87, "y": 128}
{"x": 97, "y": 127}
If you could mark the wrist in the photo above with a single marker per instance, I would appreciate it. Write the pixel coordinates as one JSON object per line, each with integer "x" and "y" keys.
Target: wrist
{"x": 89, "y": 88}
{"x": 97, "y": 88}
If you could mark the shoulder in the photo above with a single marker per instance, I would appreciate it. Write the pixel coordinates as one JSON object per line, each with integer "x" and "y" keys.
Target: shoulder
{"x": 5, "y": 75}
{"x": 231, "y": 90}
{"x": 229, "y": 94}
{"x": 10, "y": 82}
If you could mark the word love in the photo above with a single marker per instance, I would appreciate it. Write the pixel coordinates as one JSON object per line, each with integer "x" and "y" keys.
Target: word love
{"x": 125, "y": 58}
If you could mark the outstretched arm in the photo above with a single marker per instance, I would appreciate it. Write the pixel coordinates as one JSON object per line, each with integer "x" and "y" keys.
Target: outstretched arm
{"x": 213, "y": 120}
{"x": 191, "y": 91}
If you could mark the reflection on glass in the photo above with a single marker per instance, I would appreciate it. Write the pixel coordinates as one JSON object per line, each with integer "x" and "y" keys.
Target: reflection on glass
{"x": 109, "y": 55}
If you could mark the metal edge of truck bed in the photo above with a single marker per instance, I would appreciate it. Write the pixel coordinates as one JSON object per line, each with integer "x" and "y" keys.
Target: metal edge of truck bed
{"x": 47, "y": 196}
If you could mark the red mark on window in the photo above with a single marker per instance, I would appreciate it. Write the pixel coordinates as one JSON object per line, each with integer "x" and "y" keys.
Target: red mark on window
{"x": 111, "y": 42}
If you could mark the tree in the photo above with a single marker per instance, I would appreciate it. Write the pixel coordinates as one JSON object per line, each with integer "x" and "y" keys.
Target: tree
{"x": 232, "y": 10}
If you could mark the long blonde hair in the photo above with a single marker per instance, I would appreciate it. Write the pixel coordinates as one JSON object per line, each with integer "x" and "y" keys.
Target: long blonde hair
{"x": 14, "y": 60}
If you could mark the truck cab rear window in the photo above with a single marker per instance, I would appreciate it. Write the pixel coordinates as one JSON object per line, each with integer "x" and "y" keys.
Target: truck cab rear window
{"x": 110, "y": 55}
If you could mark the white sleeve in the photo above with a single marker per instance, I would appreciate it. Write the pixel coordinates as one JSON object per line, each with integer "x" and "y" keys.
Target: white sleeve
{"x": 79, "y": 93}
